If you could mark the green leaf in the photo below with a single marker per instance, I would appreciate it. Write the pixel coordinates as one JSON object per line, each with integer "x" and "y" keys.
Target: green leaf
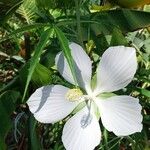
{"x": 34, "y": 142}
{"x": 7, "y": 106}
{"x": 118, "y": 38}
{"x": 28, "y": 11}
{"x": 41, "y": 75}
{"x": 48, "y": 57}
{"x": 2, "y": 144}
{"x": 144, "y": 92}
{"x": 8, "y": 7}
{"x": 14, "y": 83}
{"x": 46, "y": 4}
{"x": 125, "y": 19}
{"x": 24, "y": 29}
{"x": 101, "y": 44}
{"x": 35, "y": 59}
{"x": 66, "y": 50}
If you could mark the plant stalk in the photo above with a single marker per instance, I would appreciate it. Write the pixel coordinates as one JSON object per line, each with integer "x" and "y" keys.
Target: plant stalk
{"x": 79, "y": 31}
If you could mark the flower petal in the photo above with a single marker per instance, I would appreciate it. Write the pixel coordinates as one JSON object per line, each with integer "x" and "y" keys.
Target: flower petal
{"x": 82, "y": 64}
{"x": 116, "y": 69}
{"x": 48, "y": 103}
{"x": 121, "y": 114}
{"x": 78, "y": 137}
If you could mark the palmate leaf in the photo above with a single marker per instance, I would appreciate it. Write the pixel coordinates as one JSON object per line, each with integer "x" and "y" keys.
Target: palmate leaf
{"x": 101, "y": 22}
{"x": 28, "y": 10}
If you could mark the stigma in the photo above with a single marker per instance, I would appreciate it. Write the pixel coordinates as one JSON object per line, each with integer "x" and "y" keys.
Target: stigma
{"x": 74, "y": 94}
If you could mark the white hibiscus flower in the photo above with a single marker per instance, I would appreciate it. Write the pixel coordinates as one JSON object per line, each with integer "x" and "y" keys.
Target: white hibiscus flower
{"x": 119, "y": 114}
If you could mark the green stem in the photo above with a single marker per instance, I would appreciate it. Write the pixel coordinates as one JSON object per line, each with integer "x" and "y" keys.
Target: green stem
{"x": 111, "y": 141}
{"x": 79, "y": 31}
{"x": 115, "y": 144}
{"x": 106, "y": 138}
{"x": 27, "y": 46}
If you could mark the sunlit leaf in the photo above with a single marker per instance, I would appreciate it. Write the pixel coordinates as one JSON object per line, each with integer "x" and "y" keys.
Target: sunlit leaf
{"x": 35, "y": 59}
{"x": 41, "y": 75}
{"x": 66, "y": 50}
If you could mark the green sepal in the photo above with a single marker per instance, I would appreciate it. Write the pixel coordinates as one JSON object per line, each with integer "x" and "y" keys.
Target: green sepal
{"x": 79, "y": 107}
{"x": 106, "y": 95}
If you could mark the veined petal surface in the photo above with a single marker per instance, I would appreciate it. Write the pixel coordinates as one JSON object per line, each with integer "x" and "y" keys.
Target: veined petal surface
{"x": 121, "y": 114}
{"x": 49, "y": 105}
{"x": 82, "y": 65}
{"x": 76, "y": 136}
{"x": 116, "y": 69}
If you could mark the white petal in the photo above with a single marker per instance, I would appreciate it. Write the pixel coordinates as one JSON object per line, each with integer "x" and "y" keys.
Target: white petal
{"x": 116, "y": 69}
{"x": 48, "y": 103}
{"x": 76, "y": 137}
{"x": 121, "y": 114}
{"x": 82, "y": 64}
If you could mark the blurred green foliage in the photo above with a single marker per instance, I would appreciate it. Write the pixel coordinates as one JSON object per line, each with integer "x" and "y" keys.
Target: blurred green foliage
{"x": 33, "y": 32}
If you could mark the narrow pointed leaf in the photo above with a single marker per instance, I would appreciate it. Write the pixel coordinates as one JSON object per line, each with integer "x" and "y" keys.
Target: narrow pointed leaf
{"x": 35, "y": 59}
{"x": 24, "y": 29}
{"x": 66, "y": 50}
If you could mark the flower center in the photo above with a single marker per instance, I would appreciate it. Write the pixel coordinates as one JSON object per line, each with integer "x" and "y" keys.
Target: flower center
{"x": 87, "y": 98}
{"x": 74, "y": 95}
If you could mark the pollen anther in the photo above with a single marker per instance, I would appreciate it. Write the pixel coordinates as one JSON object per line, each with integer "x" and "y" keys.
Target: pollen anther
{"x": 74, "y": 95}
